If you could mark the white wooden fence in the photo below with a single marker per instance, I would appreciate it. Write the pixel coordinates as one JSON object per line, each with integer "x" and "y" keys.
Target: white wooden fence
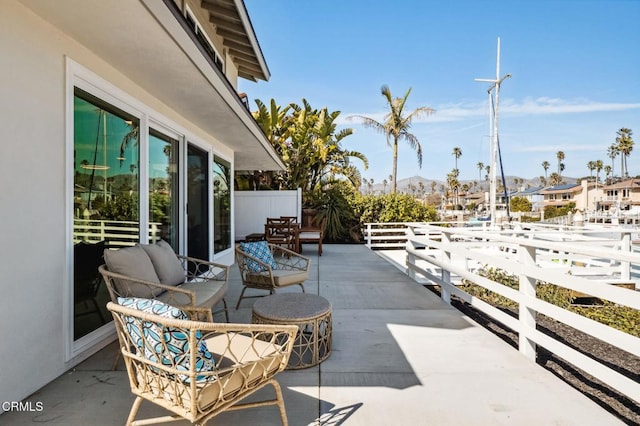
{"x": 445, "y": 255}
{"x": 391, "y": 235}
{"x": 252, "y": 208}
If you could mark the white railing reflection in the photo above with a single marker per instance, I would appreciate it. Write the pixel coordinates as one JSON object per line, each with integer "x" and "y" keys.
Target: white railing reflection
{"x": 116, "y": 232}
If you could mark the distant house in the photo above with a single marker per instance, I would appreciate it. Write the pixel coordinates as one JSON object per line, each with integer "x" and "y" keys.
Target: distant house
{"x": 117, "y": 115}
{"x": 533, "y": 195}
{"x": 502, "y": 199}
{"x": 621, "y": 196}
{"x": 476, "y": 199}
{"x": 585, "y": 195}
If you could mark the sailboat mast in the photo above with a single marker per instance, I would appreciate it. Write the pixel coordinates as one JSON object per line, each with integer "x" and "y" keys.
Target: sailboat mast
{"x": 493, "y": 132}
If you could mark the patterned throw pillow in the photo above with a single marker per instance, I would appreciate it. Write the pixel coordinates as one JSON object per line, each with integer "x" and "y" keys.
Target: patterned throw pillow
{"x": 177, "y": 341}
{"x": 260, "y": 250}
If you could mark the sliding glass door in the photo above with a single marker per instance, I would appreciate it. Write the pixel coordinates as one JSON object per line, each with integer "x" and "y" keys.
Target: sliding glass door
{"x": 197, "y": 202}
{"x": 164, "y": 219}
{"x": 105, "y": 200}
{"x": 221, "y": 204}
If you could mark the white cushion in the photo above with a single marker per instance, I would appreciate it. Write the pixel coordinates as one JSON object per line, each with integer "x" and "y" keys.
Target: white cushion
{"x": 310, "y": 235}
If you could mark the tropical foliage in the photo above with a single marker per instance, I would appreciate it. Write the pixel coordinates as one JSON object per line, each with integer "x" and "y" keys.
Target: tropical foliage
{"x": 346, "y": 210}
{"x": 309, "y": 144}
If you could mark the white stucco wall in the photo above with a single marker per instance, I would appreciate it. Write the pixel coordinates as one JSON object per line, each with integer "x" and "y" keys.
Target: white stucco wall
{"x": 34, "y": 250}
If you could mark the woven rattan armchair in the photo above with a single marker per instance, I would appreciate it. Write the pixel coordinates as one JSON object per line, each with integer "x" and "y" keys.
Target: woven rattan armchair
{"x": 289, "y": 268}
{"x": 200, "y": 284}
{"x": 242, "y": 358}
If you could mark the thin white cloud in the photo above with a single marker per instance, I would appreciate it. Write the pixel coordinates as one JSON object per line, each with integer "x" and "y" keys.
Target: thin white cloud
{"x": 556, "y": 148}
{"x": 544, "y": 105}
{"x": 527, "y": 106}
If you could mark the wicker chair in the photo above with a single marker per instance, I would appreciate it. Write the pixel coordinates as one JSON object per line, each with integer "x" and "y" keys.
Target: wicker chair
{"x": 289, "y": 268}
{"x": 243, "y": 359}
{"x": 197, "y": 288}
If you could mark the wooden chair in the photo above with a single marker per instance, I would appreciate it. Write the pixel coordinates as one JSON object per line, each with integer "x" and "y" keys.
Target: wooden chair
{"x": 197, "y": 370}
{"x": 285, "y": 268}
{"x": 282, "y": 232}
{"x": 312, "y": 229}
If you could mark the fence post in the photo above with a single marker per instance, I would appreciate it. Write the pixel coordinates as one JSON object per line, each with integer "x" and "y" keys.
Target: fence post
{"x": 445, "y": 293}
{"x": 625, "y": 247}
{"x": 411, "y": 258}
{"x": 369, "y": 235}
{"x": 527, "y": 315}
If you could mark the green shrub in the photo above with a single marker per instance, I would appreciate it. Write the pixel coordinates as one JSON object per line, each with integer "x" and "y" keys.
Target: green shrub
{"x": 520, "y": 204}
{"x": 529, "y": 219}
{"x": 334, "y": 203}
{"x": 622, "y": 318}
{"x": 556, "y": 211}
{"x": 393, "y": 208}
{"x": 346, "y": 211}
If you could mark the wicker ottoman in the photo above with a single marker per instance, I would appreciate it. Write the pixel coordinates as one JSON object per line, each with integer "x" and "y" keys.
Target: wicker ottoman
{"x": 311, "y": 313}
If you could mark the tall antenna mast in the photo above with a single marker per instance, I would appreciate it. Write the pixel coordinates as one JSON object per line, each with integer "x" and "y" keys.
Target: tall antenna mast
{"x": 493, "y": 131}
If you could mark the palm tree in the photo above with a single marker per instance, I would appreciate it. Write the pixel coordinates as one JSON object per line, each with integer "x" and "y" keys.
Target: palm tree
{"x": 555, "y": 179}
{"x": 384, "y": 185}
{"x": 597, "y": 165}
{"x": 607, "y": 171}
{"x": 457, "y": 152}
{"x": 453, "y": 183}
{"x": 591, "y": 165}
{"x": 612, "y": 152}
{"x": 545, "y": 166}
{"x": 560, "y": 157}
{"x": 480, "y": 166}
{"x": 543, "y": 181}
{"x": 397, "y": 126}
{"x": 625, "y": 146}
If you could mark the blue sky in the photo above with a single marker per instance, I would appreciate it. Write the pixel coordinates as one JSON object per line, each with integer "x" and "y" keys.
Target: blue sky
{"x": 575, "y": 69}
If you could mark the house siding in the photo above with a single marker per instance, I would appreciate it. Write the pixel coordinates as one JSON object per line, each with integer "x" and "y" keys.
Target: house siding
{"x": 36, "y": 252}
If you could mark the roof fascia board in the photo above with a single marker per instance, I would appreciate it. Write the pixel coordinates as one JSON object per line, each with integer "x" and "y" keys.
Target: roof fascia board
{"x": 246, "y": 22}
{"x": 171, "y": 20}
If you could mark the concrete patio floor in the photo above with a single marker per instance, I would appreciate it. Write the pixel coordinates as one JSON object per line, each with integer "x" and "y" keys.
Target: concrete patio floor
{"x": 400, "y": 357}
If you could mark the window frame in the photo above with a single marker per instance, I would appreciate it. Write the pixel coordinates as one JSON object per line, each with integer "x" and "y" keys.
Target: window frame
{"x": 222, "y": 253}
{"x": 217, "y": 59}
{"x": 81, "y": 77}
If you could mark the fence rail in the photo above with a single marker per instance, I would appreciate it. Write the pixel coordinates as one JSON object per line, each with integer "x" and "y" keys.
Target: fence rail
{"x": 581, "y": 260}
{"x": 393, "y": 235}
